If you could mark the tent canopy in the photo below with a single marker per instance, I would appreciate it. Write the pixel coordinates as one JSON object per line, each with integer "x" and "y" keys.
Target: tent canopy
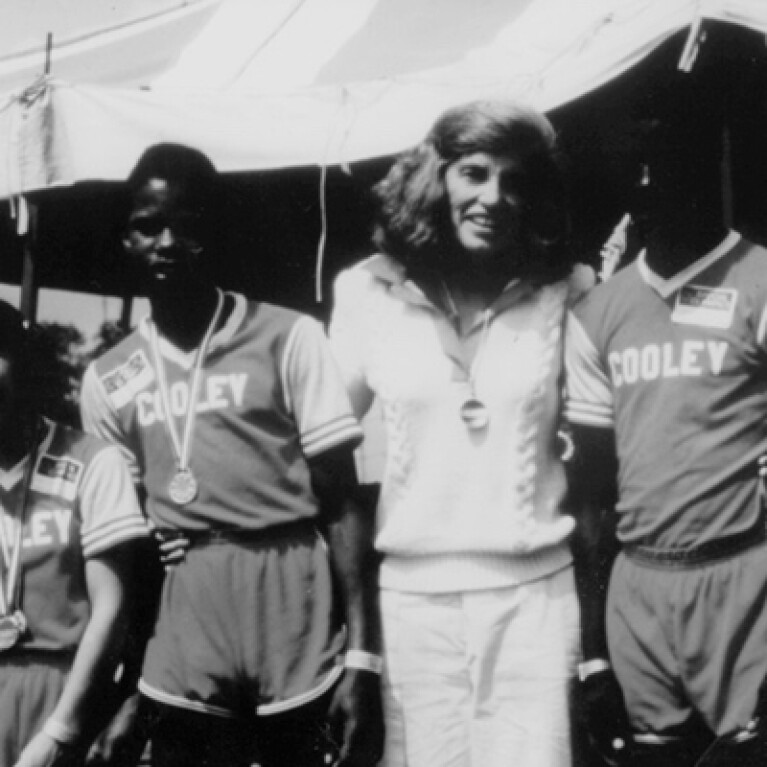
{"x": 335, "y": 103}
{"x": 118, "y": 44}
{"x": 287, "y": 83}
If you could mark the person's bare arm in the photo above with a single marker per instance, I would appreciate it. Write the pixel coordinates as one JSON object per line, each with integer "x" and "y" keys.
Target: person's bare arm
{"x": 94, "y": 663}
{"x": 356, "y": 707}
{"x": 592, "y": 475}
{"x": 591, "y": 480}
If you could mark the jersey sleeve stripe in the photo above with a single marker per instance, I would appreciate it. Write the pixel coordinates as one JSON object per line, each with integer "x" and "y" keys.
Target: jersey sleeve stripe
{"x": 588, "y": 415}
{"x": 344, "y": 429}
{"x": 105, "y": 537}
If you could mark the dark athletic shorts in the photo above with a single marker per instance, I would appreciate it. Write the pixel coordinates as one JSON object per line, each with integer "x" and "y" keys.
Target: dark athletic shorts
{"x": 688, "y": 638}
{"x": 246, "y": 627}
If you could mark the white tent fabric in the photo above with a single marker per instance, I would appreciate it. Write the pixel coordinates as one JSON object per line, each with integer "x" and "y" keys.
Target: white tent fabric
{"x": 118, "y": 44}
{"x": 283, "y": 83}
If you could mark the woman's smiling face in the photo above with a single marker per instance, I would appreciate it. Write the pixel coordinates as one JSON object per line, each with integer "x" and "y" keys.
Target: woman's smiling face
{"x": 486, "y": 198}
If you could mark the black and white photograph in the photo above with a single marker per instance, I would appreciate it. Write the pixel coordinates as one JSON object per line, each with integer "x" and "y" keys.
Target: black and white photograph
{"x": 383, "y": 383}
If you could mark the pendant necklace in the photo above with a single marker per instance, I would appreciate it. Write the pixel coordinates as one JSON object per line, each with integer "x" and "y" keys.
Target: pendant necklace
{"x": 183, "y": 486}
{"x": 13, "y": 622}
{"x": 473, "y": 412}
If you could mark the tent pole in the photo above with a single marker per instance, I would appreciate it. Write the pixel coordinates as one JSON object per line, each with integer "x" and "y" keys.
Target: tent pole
{"x": 125, "y": 313}
{"x": 727, "y": 186}
{"x": 29, "y": 288}
{"x": 48, "y": 50}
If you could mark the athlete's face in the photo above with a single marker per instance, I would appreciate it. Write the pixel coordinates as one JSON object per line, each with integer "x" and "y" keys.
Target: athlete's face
{"x": 666, "y": 150}
{"x": 164, "y": 236}
{"x": 486, "y": 197}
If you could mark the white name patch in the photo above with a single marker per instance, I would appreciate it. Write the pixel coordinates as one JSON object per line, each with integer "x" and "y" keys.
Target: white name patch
{"x": 58, "y": 476}
{"x": 122, "y": 383}
{"x": 705, "y": 307}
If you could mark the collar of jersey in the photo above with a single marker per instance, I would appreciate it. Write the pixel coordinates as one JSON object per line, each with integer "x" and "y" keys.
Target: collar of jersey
{"x": 15, "y": 474}
{"x": 386, "y": 269}
{"x": 184, "y": 359}
{"x": 667, "y": 287}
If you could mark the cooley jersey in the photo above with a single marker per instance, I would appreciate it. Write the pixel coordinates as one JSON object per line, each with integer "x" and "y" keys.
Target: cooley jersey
{"x": 678, "y": 368}
{"x": 270, "y": 397}
{"x": 81, "y": 503}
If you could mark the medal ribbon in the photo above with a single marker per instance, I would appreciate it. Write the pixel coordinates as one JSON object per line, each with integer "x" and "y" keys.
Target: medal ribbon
{"x": 10, "y": 579}
{"x": 182, "y": 447}
{"x": 471, "y": 369}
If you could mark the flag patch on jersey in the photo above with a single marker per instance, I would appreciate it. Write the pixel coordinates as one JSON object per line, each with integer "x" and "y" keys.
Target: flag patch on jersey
{"x": 122, "y": 383}
{"x": 58, "y": 476}
{"x": 705, "y": 306}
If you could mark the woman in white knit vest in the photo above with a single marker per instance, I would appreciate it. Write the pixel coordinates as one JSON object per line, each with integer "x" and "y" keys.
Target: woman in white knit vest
{"x": 456, "y": 327}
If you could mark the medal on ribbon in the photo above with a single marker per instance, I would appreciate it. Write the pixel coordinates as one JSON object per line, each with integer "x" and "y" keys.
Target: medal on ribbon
{"x": 13, "y": 622}
{"x": 473, "y": 411}
{"x": 183, "y": 486}
{"x": 475, "y": 414}
{"x": 12, "y": 628}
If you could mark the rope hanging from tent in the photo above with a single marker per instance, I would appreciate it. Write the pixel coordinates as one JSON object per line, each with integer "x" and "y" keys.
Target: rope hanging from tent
{"x": 323, "y": 234}
{"x": 322, "y": 243}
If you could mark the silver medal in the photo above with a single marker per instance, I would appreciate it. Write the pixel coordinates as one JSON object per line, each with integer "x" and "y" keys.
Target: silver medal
{"x": 12, "y": 628}
{"x": 183, "y": 487}
{"x": 475, "y": 414}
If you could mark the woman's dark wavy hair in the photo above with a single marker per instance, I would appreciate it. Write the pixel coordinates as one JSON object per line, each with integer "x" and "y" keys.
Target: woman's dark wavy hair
{"x": 413, "y": 218}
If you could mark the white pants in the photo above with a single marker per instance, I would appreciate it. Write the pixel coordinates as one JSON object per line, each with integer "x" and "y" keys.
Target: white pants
{"x": 480, "y": 678}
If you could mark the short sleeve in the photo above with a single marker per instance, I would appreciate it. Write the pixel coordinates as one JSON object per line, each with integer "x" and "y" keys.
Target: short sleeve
{"x": 347, "y": 337}
{"x": 100, "y": 418}
{"x": 589, "y": 397}
{"x": 108, "y": 503}
{"x": 315, "y": 391}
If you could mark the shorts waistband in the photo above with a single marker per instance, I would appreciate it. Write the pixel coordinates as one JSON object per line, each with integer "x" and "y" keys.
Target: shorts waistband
{"x": 239, "y": 536}
{"x": 24, "y": 657}
{"x": 711, "y": 551}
